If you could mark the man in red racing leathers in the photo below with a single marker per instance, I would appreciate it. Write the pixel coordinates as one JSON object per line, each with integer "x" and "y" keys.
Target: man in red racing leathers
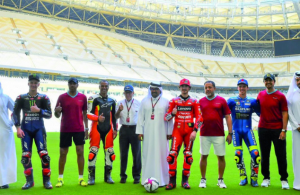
{"x": 184, "y": 109}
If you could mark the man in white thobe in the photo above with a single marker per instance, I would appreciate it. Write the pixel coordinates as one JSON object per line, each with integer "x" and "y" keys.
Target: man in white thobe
{"x": 293, "y": 98}
{"x": 8, "y": 160}
{"x": 155, "y": 133}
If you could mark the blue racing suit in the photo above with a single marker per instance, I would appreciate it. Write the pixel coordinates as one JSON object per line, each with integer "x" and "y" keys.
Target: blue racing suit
{"x": 33, "y": 127}
{"x": 241, "y": 113}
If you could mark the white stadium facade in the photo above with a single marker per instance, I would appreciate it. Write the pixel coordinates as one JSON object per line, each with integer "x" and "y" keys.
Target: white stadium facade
{"x": 139, "y": 41}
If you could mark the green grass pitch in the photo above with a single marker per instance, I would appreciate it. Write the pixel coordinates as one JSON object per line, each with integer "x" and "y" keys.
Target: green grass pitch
{"x": 231, "y": 176}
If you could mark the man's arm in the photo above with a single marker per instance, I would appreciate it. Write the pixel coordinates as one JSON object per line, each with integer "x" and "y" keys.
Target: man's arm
{"x": 92, "y": 116}
{"x": 16, "y": 116}
{"x": 255, "y": 107}
{"x": 229, "y": 125}
{"x": 285, "y": 118}
{"x": 140, "y": 124}
{"x": 119, "y": 109}
{"x": 17, "y": 111}
{"x": 46, "y": 109}
{"x": 292, "y": 118}
{"x": 58, "y": 108}
{"x": 170, "y": 114}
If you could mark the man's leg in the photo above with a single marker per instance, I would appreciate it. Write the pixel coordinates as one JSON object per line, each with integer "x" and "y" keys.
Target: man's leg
{"x": 221, "y": 166}
{"x": 172, "y": 158}
{"x": 26, "y": 159}
{"x": 188, "y": 160}
{"x": 94, "y": 149}
{"x": 41, "y": 144}
{"x": 65, "y": 143}
{"x": 124, "y": 147}
{"x": 79, "y": 140}
{"x": 255, "y": 158}
{"x": 265, "y": 148}
{"x": 205, "y": 143}
{"x": 237, "y": 142}
{"x": 136, "y": 154}
{"x": 109, "y": 155}
{"x": 219, "y": 147}
{"x": 280, "y": 151}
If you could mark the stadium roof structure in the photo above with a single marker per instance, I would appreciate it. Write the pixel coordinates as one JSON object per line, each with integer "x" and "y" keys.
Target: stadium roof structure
{"x": 235, "y": 28}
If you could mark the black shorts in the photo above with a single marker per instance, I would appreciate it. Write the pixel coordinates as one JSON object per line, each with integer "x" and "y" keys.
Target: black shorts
{"x": 66, "y": 139}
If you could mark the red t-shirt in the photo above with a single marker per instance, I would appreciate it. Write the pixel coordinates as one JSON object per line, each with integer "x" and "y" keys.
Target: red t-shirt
{"x": 213, "y": 112}
{"x": 72, "y": 108}
{"x": 271, "y": 108}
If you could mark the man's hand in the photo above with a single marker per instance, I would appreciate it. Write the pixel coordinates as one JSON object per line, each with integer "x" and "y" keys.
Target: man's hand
{"x": 141, "y": 137}
{"x": 229, "y": 139}
{"x": 20, "y": 133}
{"x": 174, "y": 111}
{"x": 193, "y": 136}
{"x": 101, "y": 118}
{"x": 282, "y": 135}
{"x": 298, "y": 129}
{"x": 86, "y": 134}
{"x": 34, "y": 108}
{"x": 121, "y": 107}
{"x": 58, "y": 109}
{"x": 169, "y": 137}
{"x": 115, "y": 134}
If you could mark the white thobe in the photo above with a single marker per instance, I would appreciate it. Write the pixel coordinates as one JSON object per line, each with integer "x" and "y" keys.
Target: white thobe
{"x": 8, "y": 160}
{"x": 155, "y": 144}
{"x": 294, "y": 119}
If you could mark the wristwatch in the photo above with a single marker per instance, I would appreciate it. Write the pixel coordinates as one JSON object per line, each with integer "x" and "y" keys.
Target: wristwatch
{"x": 284, "y": 130}
{"x": 230, "y": 133}
{"x": 86, "y": 129}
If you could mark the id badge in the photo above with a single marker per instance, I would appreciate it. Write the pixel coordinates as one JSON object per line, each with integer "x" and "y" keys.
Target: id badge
{"x": 152, "y": 116}
{"x": 128, "y": 119}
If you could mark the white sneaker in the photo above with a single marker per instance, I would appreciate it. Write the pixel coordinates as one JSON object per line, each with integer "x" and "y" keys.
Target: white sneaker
{"x": 265, "y": 183}
{"x": 202, "y": 183}
{"x": 285, "y": 185}
{"x": 221, "y": 183}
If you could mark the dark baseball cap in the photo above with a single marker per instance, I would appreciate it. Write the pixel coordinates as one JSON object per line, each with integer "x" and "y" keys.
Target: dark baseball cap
{"x": 72, "y": 79}
{"x": 242, "y": 81}
{"x": 34, "y": 77}
{"x": 128, "y": 88}
{"x": 269, "y": 75}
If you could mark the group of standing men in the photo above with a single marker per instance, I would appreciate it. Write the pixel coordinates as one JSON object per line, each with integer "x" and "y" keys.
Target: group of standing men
{"x": 151, "y": 121}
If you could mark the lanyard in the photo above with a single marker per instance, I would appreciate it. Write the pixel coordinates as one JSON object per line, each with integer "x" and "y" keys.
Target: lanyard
{"x": 128, "y": 109}
{"x": 154, "y": 104}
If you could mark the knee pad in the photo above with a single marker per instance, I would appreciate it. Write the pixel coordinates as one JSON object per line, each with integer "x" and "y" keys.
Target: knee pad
{"x": 255, "y": 156}
{"x": 109, "y": 156}
{"x": 26, "y": 158}
{"x": 172, "y": 173}
{"x": 172, "y": 158}
{"x": 28, "y": 172}
{"x": 188, "y": 159}
{"x": 92, "y": 155}
{"x": 47, "y": 172}
{"x": 186, "y": 172}
{"x": 45, "y": 158}
{"x": 238, "y": 157}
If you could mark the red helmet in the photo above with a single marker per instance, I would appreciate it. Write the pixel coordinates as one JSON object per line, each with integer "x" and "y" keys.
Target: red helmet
{"x": 185, "y": 82}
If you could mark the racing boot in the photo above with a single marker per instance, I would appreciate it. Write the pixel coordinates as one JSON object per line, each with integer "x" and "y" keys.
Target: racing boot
{"x": 244, "y": 180}
{"x": 172, "y": 183}
{"x": 243, "y": 176}
{"x": 91, "y": 180}
{"x": 254, "y": 182}
{"x": 107, "y": 174}
{"x": 185, "y": 182}
{"x": 29, "y": 182}
{"x": 47, "y": 182}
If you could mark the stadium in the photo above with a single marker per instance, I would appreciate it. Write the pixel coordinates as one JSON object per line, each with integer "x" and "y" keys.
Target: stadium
{"x": 139, "y": 41}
